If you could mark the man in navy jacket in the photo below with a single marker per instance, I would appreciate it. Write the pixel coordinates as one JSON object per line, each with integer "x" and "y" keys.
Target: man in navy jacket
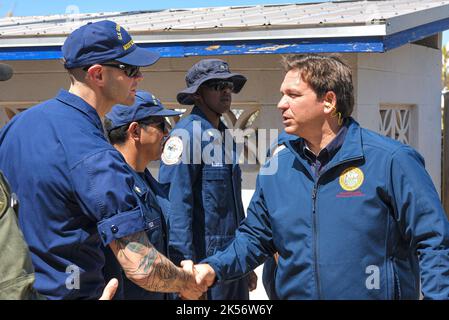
{"x": 205, "y": 191}
{"x": 352, "y": 214}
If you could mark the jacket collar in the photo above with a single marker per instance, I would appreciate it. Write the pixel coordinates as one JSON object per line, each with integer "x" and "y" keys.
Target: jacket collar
{"x": 352, "y": 145}
{"x": 351, "y": 148}
{"x": 78, "y": 103}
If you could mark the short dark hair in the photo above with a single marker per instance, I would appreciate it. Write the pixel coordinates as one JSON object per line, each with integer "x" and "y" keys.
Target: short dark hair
{"x": 324, "y": 73}
{"x": 119, "y": 135}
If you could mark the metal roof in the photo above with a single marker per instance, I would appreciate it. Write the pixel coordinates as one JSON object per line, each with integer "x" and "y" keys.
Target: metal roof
{"x": 356, "y": 26}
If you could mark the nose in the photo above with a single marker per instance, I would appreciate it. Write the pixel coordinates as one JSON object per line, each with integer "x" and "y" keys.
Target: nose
{"x": 139, "y": 76}
{"x": 283, "y": 103}
{"x": 226, "y": 91}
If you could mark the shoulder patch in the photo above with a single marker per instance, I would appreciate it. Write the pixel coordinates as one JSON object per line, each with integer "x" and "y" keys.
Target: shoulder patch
{"x": 172, "y": 151}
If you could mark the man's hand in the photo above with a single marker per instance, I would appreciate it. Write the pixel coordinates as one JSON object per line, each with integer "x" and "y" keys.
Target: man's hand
{"x": 252, "y": 281}
{"x": 109, "y": 290}
{"x": 205, "y": 274}
{"x": 193, "y": 290}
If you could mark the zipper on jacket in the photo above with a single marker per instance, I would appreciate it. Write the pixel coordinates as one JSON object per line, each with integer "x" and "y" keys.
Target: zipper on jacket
{"x": 315, "y": 237}
{"x": 314, "y": 220}
{"x": 396, "y": 291}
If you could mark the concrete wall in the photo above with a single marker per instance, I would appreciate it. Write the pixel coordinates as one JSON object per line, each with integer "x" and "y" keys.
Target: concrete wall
{"x": 407, "y": 75}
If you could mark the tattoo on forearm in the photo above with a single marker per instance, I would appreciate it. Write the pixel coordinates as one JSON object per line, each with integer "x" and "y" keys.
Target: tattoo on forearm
{"x": 147, "y": 267}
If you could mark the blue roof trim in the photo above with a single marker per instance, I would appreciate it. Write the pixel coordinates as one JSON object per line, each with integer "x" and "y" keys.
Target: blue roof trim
{"x": 366, "y": 44}
{"x": 31, "y": 53}
{"x": 186, "y": 49}
{"x": 178, "y": 50}
{"x": 399, "y": 39}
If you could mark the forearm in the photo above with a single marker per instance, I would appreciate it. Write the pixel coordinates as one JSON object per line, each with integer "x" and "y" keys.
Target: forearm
{"x": 147, "y": 267}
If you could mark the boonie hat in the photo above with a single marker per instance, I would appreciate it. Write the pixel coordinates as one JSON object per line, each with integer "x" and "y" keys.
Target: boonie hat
{"x": 205, "y": 70}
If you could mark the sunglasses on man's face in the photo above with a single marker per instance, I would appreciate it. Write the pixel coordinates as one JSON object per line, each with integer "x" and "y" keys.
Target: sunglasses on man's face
{"x": 129, "y": 70}
{"x": 220, "y": 85}
{"x": 160, "y": 124}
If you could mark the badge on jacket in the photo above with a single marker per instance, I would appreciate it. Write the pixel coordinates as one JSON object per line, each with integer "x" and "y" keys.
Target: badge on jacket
{"x": 172, "y": 151}
{"x": 351, "y": 179}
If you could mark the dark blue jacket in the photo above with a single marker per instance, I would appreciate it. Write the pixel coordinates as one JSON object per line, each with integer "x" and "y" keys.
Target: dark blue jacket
{"x": 370, "y": 227}
{"x": 205, "y": 199}
{"x": 75, "y": 192}
{"x": 270, "y": 265}
{"x": 153, "y": 200}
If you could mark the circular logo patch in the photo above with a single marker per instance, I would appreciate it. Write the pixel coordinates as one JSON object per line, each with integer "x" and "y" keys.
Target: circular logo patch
{"x": 351, "y": 179}
{"x": 172, "y": 151}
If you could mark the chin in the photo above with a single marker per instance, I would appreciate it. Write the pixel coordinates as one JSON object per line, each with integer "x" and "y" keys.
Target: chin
{"x": 225, "y": 108}
{"x": 129, "y": 101}
{"x": 291, "y": 130}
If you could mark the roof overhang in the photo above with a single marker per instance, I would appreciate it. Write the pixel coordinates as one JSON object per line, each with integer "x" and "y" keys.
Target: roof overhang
{"x": 379, "y": 35}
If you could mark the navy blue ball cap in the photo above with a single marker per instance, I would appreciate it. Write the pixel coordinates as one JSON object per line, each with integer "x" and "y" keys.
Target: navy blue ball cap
{"x": 104, "y": 41}
{"x": 146, "y": 105}
{"x": 205, "y": 70}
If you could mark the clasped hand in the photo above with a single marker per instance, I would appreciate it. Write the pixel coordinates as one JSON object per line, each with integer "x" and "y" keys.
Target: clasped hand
{"x": 203, "y": 276}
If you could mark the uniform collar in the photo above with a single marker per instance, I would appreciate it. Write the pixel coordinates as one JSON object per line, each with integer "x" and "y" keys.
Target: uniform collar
{"x": 78, "y": 103}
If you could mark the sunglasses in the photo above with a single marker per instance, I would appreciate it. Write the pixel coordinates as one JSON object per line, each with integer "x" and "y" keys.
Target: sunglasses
{"x": 160, "y": 124}
{"x": 220, "y": 85}
{"x": 129, "y": 70}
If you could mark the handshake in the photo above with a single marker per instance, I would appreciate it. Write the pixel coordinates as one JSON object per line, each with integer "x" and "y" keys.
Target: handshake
{"x": 199, "y": 278}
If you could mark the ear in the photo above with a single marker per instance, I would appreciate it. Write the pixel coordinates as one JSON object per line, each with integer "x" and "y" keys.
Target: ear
{"x": 95, "y": 73}
{"x": 329, "y": 102}
{"x": 134, "y": 131}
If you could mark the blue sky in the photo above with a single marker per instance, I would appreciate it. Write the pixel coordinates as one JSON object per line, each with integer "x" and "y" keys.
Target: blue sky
{"x": 37, "y": 7}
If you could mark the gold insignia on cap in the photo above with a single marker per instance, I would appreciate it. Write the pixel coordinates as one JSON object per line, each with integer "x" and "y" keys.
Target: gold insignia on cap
{"x": 119, "y": 32}
{"x": 351, "y": 179}
{"x": 128, "y": 45}
{"x": 172, "y": 151}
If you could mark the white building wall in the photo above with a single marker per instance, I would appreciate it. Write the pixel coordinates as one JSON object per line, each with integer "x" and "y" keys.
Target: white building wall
{"x": 407, "y": 75}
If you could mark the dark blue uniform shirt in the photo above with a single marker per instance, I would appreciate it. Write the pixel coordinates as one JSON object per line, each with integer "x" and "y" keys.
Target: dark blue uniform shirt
{"x": 75, "y": 190}
{"x": 205, "y": 198}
